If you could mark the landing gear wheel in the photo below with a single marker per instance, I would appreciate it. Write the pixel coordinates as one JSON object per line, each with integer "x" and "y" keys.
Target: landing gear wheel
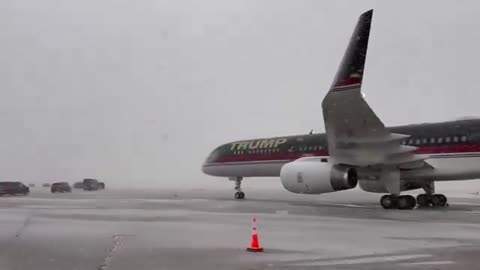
{"x": 424, "y": 200}
{"x": 239, "y": 195}
{"x": 389, "y": 201}
{"x": 439, "y": 200}
{"x": 406, "y": 202}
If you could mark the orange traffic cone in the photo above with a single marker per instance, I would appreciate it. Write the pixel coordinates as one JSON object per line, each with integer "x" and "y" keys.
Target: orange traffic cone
{"x": 255, "y": 244}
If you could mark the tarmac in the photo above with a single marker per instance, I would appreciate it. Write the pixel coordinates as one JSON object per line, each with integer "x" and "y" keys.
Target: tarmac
{"x": 121, "y": 229}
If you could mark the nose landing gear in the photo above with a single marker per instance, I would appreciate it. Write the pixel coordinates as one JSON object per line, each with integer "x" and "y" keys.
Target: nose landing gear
{"x": 239, "y": 194}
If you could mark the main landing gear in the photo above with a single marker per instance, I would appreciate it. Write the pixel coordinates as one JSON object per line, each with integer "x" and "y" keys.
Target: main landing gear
{"x": 239, "y": 194}
{"x": 398, "y": 202}
{"x": 409, "y": 202}
{"x": 433, "y": 200}
{"x": 427, "y": 199}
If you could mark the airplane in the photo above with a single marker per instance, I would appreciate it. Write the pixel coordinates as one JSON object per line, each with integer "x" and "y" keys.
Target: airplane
{"x": 357, "y": 148}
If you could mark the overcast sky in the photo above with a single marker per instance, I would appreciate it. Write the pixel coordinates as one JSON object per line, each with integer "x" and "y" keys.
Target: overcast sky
{"x": 140, "y": 92}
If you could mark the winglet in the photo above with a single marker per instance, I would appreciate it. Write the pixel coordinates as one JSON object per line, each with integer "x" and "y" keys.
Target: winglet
{"x": 350, "y": 72}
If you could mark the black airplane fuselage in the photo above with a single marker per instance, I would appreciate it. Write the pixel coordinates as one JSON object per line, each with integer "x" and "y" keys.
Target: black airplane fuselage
{"x": 453, "y": 139}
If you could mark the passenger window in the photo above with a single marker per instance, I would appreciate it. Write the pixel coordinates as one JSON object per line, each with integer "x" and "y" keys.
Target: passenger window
{"x": 455, "y": 139}
{"x": 432, "y": 140}
{"x": 440, "y": 140}
{"x": 447, "y": 140}
{"x": 417, "y": 142}
{"x": 410, "y": 142}
{"x": 424, "y": 141}
{"x": 464, "y": 138}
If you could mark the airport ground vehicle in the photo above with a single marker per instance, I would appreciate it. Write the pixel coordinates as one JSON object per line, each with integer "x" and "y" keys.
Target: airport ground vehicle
{"x": 90, "y": 184}
{"x": 78, "y": 185}
{"x": 101, "y": 185}
{"x": 31, "y": 185}
{"x": 357, "y": 148}
{"x": 46, "y": 185}
{"x": 60, "y": 187}
{"x": 13, "y": 188}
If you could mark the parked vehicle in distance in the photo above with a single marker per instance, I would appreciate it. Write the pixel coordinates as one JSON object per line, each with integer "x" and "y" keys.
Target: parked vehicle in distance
{"x": 78, "y": 185}
{"x": 31, "y": 185}
{"x": 101, "y": 185}
{"x": 13, "y": 188}
{"x": 60, "y": 187}
{"x": 90, "y": 184}
{"x": 46, "y": 185}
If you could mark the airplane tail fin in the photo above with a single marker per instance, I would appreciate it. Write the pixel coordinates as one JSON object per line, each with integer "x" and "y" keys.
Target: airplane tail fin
{"x": 350, "y": 73}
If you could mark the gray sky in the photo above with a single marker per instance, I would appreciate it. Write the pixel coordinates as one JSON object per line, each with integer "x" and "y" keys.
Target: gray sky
{"x": 139, "y": 92}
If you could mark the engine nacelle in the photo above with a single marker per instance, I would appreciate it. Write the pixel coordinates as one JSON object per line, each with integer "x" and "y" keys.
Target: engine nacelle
{"x": 311, "y": 176}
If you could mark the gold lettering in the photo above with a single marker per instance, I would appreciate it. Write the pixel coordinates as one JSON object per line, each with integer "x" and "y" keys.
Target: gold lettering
{"x": 267, "y": 143}
{"x": 233, "y": 146}
{"x": 280, "y": 141}
{"x": 242, "y": 146}
{"x": 253, "y": 145}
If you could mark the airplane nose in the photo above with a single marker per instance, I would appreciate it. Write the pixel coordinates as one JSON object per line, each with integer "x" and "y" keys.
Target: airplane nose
{"x": 203, "y": 168}
{"x": 209, "y": 165}
{"x": 206, "y": 169}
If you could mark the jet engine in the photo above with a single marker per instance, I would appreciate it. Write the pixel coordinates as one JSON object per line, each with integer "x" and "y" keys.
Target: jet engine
{"x": 311, "y": 176}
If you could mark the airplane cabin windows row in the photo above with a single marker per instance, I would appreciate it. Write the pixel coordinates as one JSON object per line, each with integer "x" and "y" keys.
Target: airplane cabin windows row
{"x": 424, "y": 141}
{"x": 276, "y": 150}
{"x": 257, "y": 152}
{"x": 310, "y": 148}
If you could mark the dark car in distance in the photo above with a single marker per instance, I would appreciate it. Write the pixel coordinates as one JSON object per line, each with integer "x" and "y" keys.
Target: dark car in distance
{"x": 90, "y": 184}
{"x": 13, "y": 188}
{"x": 60, "y": 187}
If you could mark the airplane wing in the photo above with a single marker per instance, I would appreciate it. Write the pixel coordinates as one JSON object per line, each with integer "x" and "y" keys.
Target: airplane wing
{"x": 355, "y": 134}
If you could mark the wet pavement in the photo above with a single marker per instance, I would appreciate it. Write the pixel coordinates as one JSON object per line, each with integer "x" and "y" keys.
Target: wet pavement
{"x": 204, "y": 229}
